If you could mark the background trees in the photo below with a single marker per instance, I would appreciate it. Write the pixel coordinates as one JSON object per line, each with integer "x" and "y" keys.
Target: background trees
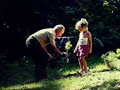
{"x": 20, "y": 18}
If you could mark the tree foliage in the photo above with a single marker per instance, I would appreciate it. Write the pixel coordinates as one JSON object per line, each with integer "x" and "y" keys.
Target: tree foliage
{"x": 20, "y": 18}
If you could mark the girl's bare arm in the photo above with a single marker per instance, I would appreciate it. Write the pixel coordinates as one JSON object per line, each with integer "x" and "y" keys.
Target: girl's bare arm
{"x": 90, "y": 40}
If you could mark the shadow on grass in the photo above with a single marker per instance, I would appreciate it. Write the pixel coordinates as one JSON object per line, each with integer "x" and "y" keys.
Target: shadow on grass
{"x": 107, "y": 70}
{"x": 112, "y": 84}
{"x": 77, "y": 74}
{"x": 104, "y": 70}
{"x": 45, "y": 86}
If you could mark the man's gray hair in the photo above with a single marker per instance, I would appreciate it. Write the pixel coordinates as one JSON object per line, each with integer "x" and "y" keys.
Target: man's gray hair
{"x": 59, "y": 26}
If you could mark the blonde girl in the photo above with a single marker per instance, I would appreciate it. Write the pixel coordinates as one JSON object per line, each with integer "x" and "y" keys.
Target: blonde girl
{"x": 84, "y": 44}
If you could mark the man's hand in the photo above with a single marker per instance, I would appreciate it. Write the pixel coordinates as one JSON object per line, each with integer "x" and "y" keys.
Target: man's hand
{"x": 50, "y": 57}
{"x": 64, "y": 53}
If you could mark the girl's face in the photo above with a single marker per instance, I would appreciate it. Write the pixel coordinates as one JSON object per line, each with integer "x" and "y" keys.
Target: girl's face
{"x": 82, "y": 29}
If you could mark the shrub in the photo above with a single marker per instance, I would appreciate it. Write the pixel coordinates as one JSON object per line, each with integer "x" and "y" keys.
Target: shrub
{"x": 111, "y": 59}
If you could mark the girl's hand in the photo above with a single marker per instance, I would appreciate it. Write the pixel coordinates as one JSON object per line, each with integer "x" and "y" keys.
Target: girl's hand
{"x": 90, "y": 51}
{"x": 74, "y": 51}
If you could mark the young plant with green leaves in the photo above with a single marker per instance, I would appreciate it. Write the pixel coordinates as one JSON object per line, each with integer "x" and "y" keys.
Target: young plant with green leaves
{"x": 68, "y": 45}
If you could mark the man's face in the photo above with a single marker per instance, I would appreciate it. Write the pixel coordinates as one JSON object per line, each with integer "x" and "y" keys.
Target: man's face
{"x": 60, "y": 32}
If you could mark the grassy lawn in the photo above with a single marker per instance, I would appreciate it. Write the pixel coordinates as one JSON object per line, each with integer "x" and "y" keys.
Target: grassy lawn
{"x": 98, "y": 78}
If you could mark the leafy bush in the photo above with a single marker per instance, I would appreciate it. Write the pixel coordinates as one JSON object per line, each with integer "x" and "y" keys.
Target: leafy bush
{"x": 111, "y": 59}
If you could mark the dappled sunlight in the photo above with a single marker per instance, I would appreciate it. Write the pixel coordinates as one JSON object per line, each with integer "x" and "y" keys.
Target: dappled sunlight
{"x": 43, "y": 84}
{"x": 111, "y": 84}
{"x": 26, "y": 86}
{"x": 99, "y": 67}
{"x": 99, "y": 76}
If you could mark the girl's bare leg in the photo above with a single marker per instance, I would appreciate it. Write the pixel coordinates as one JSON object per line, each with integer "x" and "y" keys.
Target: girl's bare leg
{"x": 84, "y": 62}
{"x": 81, "y": 64}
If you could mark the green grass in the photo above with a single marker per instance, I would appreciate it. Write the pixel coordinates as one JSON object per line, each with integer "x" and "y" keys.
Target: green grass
{"x": 98, "y": 78}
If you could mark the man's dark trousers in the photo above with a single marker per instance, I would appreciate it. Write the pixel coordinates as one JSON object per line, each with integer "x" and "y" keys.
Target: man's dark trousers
{"x": 39, "y": 58}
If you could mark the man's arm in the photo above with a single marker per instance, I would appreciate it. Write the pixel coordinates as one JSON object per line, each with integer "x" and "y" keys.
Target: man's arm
{"x": 44, "y": 48}
{"x": 58, "y": 51}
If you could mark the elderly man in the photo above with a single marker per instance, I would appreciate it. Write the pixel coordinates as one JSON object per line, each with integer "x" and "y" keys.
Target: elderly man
{"x": 36, "y": 45}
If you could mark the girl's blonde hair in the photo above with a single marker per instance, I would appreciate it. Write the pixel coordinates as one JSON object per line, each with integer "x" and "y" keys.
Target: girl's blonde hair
{"x": 81, "y": 23}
